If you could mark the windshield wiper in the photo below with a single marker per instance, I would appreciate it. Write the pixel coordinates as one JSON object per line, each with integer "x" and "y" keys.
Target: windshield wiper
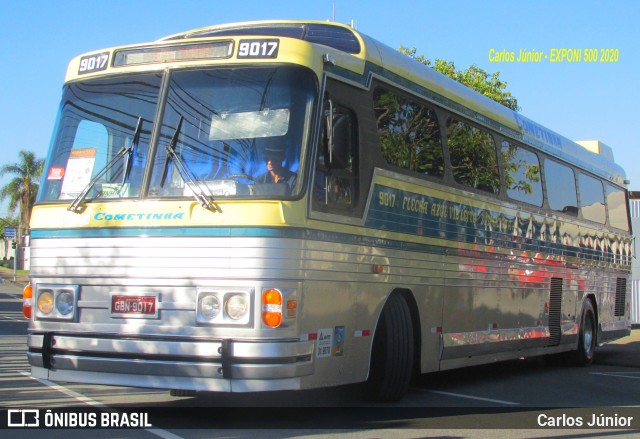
{"x": 76, "y": 205}
{"x": 171, "y": 151}
{"x": 196, "y": 189}
{"x": 134, "y": 144}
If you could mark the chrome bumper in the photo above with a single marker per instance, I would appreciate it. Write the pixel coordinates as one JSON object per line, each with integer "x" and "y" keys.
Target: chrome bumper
{"x": 162, "y": 363}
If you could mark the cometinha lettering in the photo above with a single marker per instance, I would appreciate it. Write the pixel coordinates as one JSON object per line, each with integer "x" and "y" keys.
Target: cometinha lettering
{"x": 103, "y": 216}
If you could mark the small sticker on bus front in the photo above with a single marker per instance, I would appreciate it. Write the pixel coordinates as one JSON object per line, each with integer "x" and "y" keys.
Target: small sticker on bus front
{"x": 325, "y": 342}
{"x": 338, "y": 341}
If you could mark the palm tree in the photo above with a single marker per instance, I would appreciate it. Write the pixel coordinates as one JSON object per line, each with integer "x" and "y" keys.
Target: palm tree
{"x": 22, "y": 189}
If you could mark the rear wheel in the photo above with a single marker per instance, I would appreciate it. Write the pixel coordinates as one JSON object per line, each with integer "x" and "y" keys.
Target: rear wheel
{"x": 392, "y": 353}
{"x": 586, "y": 336}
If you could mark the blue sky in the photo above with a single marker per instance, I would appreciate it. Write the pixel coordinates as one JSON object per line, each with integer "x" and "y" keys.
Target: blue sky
{"x": 582, "y": 101}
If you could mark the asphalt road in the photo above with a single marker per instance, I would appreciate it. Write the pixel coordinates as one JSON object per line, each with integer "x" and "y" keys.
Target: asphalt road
{"x": 523, "y": 398}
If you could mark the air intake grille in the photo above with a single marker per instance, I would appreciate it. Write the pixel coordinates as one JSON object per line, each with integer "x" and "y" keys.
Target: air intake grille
{"x": 621, "y": 296}
{"x": 555, "y": 311}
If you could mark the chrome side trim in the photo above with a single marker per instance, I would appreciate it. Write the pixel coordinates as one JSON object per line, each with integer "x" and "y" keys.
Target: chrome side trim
{"x": 614, "y": 326}
{"x": 455, "y": 363}
{"x": 494, "y": 336}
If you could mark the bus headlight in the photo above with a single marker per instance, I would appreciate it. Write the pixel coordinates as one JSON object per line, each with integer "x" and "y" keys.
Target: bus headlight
{"x": 209, "y": 306}
{"x": 237, "y": 306}
{"x": 45, "y": 302}
{"x": 224, "y": 307}
{"x": 56, "y": 301}
{"x": 64, "y": 303}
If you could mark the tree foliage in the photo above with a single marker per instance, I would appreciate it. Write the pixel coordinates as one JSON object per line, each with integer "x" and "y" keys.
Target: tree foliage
{"x": 23, "y": 188}
{"x": 489, "y": 84}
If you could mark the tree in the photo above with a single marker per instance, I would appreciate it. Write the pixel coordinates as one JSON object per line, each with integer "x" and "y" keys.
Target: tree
{"x": 473, "y": 77}
{"x": 22, "y": 189}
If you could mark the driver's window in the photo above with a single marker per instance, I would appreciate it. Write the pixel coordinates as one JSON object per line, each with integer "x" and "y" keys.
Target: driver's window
{"x": 336, "y": 174}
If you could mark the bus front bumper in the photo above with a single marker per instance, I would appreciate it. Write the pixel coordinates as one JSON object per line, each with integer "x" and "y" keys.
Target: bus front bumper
{"x": 207, "y": 365}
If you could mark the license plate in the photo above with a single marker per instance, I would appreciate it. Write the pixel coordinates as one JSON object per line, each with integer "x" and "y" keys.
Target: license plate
{"x": 143, "y": 307}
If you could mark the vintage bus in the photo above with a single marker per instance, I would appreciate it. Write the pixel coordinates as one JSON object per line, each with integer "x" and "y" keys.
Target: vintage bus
{"x": 287, "y": 205}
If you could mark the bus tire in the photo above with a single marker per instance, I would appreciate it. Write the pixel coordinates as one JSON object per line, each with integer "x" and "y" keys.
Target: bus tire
{"x": 585, "y": 353}
{"x": 391, "y": 363}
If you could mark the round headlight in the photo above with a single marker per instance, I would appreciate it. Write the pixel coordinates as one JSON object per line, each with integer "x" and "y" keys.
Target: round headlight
{"x": 237, "y": 306}
{"x": 45, "y": 302}
{"x": 64, "y": 303}
{"x": 209, "y": 307}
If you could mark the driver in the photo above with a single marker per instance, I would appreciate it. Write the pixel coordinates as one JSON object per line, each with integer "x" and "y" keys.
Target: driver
{"x": 276, "y": 173}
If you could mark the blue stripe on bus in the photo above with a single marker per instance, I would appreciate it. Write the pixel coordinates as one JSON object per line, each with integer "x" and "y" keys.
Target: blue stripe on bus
{"x": 119, "y": 232}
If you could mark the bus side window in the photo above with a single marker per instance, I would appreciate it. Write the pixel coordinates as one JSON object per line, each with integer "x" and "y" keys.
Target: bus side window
{"x": 522, "y": 174}
{"x": 591, "y": 199}
{"x": 409, "y": 134}
{"x": 474, "y": 160}
{"x": 617, "y": 208}
{"x": 561, "y": 187}
{"x": 336, "y": 177}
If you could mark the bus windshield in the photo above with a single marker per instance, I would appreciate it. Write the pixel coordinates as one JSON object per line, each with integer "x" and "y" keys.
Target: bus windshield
{"x": 225, "y": 132}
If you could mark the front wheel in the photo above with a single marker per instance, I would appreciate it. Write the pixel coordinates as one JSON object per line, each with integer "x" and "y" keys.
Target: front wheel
{"x": 392, "y": 353}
